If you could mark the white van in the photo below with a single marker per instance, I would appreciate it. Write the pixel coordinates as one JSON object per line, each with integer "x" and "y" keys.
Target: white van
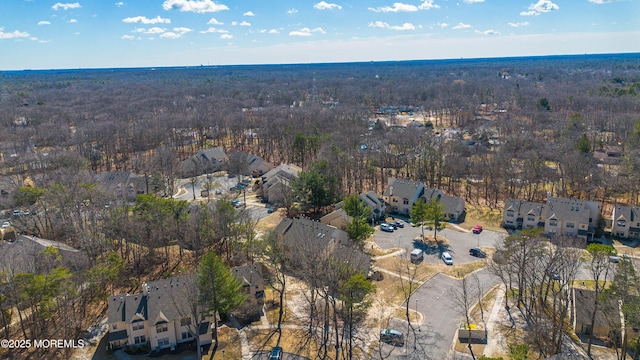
{"x": 417, "y": 256}
{"x": 446, "y": 257}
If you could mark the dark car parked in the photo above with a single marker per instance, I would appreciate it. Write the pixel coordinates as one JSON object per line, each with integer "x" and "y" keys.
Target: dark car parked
{"x": 477, "y": 252}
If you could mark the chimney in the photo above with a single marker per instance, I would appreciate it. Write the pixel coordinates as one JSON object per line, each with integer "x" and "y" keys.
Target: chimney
{"x": 145, "y": 289}
{"x": 391, "y": 190}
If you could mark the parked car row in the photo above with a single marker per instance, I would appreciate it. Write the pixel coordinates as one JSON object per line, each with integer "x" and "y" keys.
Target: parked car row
{"x": 391, "y": 226}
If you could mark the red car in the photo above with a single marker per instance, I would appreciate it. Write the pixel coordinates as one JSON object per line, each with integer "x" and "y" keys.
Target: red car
{"x": 477, "y": 229}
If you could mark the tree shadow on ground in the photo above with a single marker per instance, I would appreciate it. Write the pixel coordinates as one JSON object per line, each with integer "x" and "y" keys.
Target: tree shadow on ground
{"x": 431, "y": 247}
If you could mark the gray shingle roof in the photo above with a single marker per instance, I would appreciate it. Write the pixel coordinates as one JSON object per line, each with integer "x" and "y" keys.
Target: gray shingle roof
{"x": 24, "y": 255}
{"x": 403, "y": 188}
{"x": 629, "y": 213}
{"x": 567, "y": 210}
{"x": 248, "y": 275}
{"x": 166, "y": 301}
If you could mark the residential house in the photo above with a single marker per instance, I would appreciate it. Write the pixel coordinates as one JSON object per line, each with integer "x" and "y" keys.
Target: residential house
{"x": 276, "y": 183}
{"x": 625, "y": 221}
{"x": 124, "y": 184}
{"x": 303, "y": 240}
{"x": 607, "y": 320}
{"x": 522, "y": 214}
{"x": 253, "y": 287}
{"x": 373, "y": 201}
{"x": 453, "y": 206}
{"x": 558, "y": 216}
{"x": 159, "y": 317}
{"x": 204, "y": 161}
{"x": 257, "y": 165}
{"x": 337, "y": 218}
{"x": 251, "y": 164}
{"x": 571, "y": 217}
{"x": 25, "y": 255}
{"x": 401, "y": 194}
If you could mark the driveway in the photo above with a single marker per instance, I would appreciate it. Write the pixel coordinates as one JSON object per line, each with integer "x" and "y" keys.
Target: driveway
{"x": 458, "y": 243}
{"x": 434, "y": 338}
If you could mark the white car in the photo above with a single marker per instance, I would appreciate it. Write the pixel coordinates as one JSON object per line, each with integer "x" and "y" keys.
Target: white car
{"x": 446, "y": 257}
{"x": 6, "y": 224}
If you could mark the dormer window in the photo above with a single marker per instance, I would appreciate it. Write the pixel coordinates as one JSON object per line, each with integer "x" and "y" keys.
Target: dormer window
{"x": 405, "y": 201}
{"x": 553, "y": 222}
{"x": 621, "y": 223}
{"x": 531, "y": 217}
{"x": 510, "y": 213}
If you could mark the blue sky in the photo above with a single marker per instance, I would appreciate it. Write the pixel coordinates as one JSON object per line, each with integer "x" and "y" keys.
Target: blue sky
{"x": 39, "y": 34}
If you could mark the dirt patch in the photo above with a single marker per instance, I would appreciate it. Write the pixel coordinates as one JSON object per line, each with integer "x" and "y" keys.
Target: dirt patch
{"x": 480, "y": 215}
{"x": 270, "y": 222}
{"x": 229, "y": 341}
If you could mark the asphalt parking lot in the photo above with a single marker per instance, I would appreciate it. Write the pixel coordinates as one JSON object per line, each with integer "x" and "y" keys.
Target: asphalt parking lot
{"x": 457, "y": 242}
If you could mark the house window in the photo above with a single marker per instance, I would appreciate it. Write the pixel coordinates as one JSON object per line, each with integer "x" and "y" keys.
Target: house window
{"x": 531, "y": 218}
{"x": 394, "y": 200}
{"x": 586, "y": 329}
{"x": 114, "y": 326}
{"x": 162, "y": 328}
{"x": 140, "y": 339}
{"x": 163, "y": 342}
{"x": 570, "y": 225}
{"x": 621, "y": 223}
{"x": 509, "y": 213}
{"x": 185, "y": 322}
{"x": 186, "y": 335}
{"x": 138, "y": 325}
{"x": 405, "y": 201}
{"x": 553, "y": 222}
{"x": 259, "y": 294}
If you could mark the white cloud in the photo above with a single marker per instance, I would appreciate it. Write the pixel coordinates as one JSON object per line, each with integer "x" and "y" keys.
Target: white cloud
{"x": 120, "y": 4}
{"x": 428, "y": 5}
{"x": 542, "y": 6}
{"x": 12, "y": 35}
{"x": 73, "y": 21}
{"x": 245, "y": 23}
{"x": 307, "y": 32}
{"x": 443, "y": 25}
{"x": 292, "y": 11}
{"x": 197, "y": 6}
{"x": 526, "y": 23}
{"x": 226, "y": 36}
{"x": 488, "y": 32}
{"x": 473, "y": 1}
{"x": 170, "y": 35}
{"x": 44, "y": 22}
{"x": 600, "y": 2}
{"x": 270, "y": 31}
{"x": 176, "y": 33}
{"x": 461, "y": 26}
{"x": 249, "y": 13}
{"x": 323, "y": 5}
{"x": 397, "y": 7}
{"x": 214, "y": 30}
{"x": 154, "y": 30}
{"x": 182, "y": 30}
{"x": 66, "y": 6}
{"x": 213, "y": 21}
{"x": 146, "y": 21}
{"x": 127, "y": 37}
{"x": 384, "y": 25}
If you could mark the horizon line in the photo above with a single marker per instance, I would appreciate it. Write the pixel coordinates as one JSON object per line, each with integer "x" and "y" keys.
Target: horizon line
{"x": 152, "y": 67}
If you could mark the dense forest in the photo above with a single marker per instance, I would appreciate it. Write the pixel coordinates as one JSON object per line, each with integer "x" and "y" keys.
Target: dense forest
{"x": 481, "y": 129}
